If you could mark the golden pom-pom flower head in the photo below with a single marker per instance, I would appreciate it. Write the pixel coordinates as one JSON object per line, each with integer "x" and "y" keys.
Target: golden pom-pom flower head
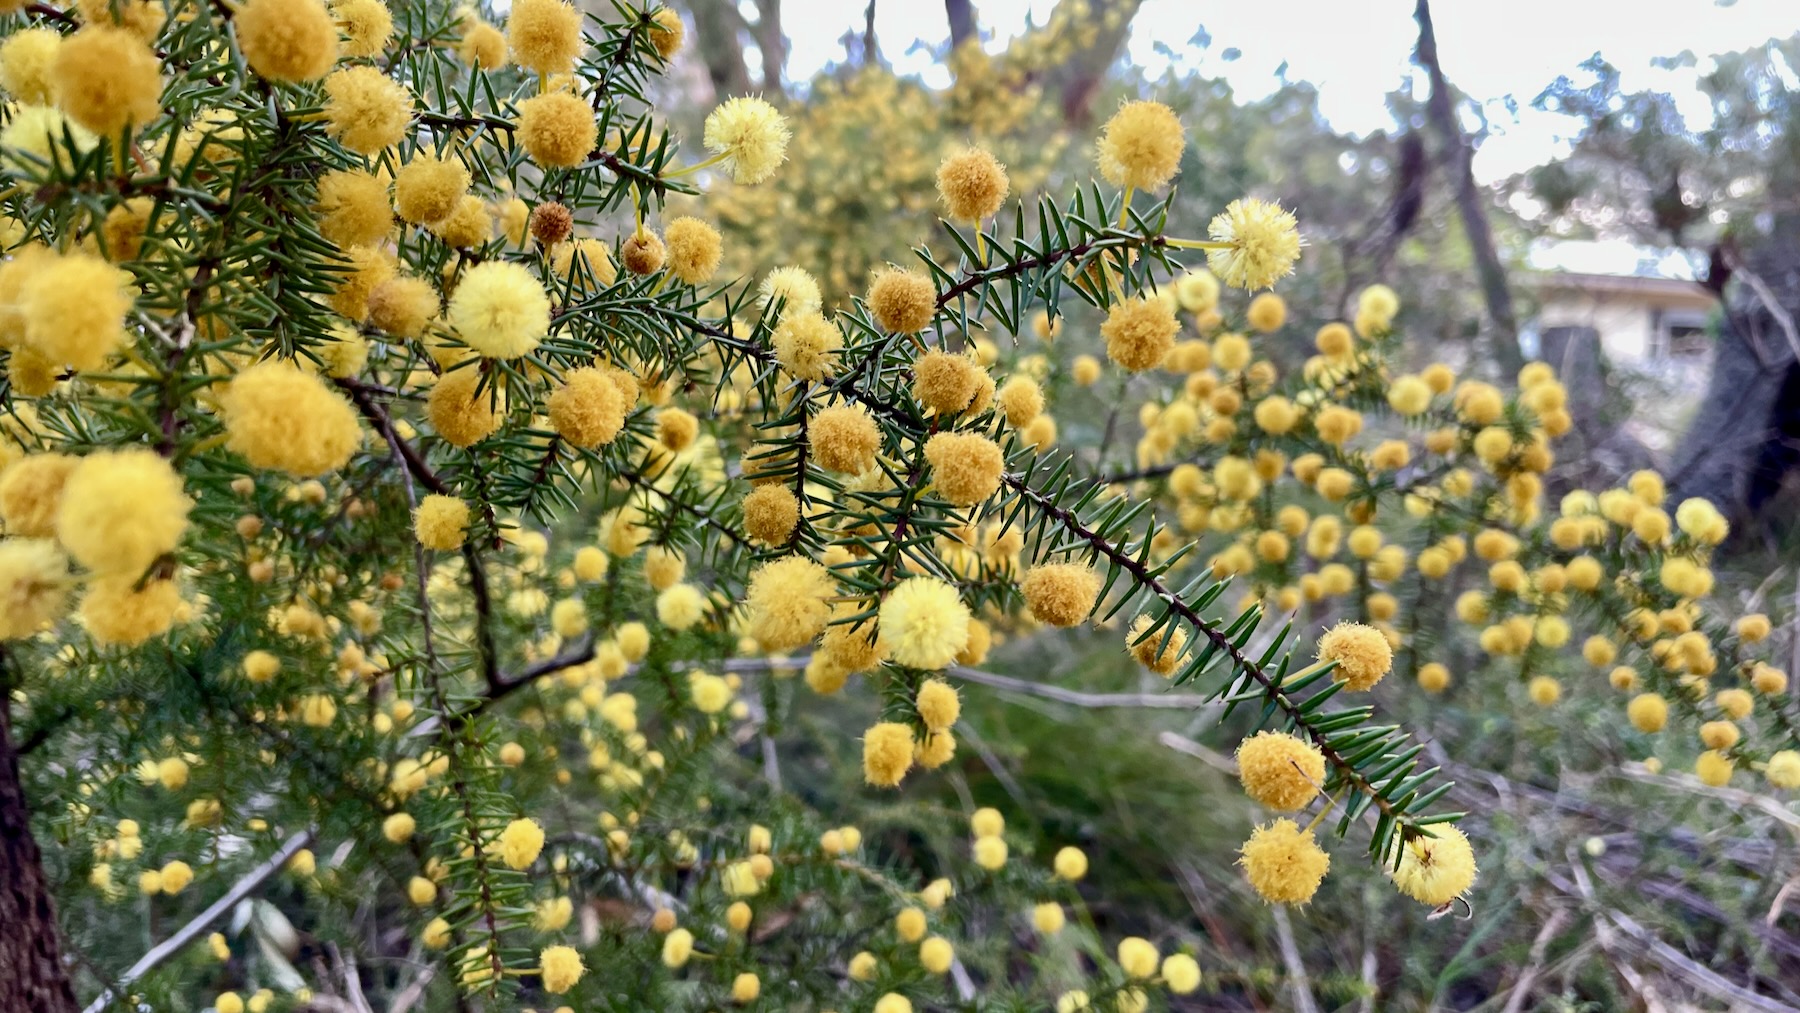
{"x": 1283, "y": 863}
{"x": 1434, "y": 870}
{"x": 519, "y": 844}
{"x": 1140, "y": 147}
{"x": 924, "y": 624}
{"x": 500, "y": 310}
{"x": 34, "y": 585}
{"x": 749, "y": 136}
{"x": 965, "y": 468}
{"x": 557, "y": 129}
{"x": 559, "y": 968}
{"x": 1060, "y": 594}
{"x": 441, "y": 522}
{"x": 903, "y": 301}
{"x": 694, "y": 248}
{"x": 887, "y": 753}
{"x": 1139, "y": 333}
{"x": 282, "y": 417}
{"x": 587, "y": 410}
{"x": 25, "y": 61}
{"x": 844, "y": 438}
{"x": 789, "y": 602}
{"x": 544, "y": 35}
{"x": 120, "y": 510}
{"x": 1280, "y": 770}
{"x": 1262, "y": 243}
{"x": 287, "y": 40}
{"x": 365, "y": 109}
{"x": 106, "y": 78}
{"x": 972, "y": 185}
{"x": 807, "y": 344}
{"x": 771, "y": 512}
{"x": 1362, "y": 653}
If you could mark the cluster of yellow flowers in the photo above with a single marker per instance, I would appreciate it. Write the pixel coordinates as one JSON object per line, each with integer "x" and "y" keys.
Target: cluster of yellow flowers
{"x": 368, "y": 323}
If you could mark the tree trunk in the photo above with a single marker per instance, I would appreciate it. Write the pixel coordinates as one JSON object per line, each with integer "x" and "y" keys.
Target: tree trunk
{"x": 1740, "y": 446}
{"x": 1599, "y": 449}
{"x": 961, "y": 14}
{"x": 32, "y": 976}
{"x": 773, "y": 45}
{"x": 1079, "y": 80}
{"x": 1458, "y": 156}
{"x": 718, "y": 30}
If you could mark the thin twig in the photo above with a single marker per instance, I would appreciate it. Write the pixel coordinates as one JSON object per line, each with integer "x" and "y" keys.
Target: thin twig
{"x": 1299, "y": 985}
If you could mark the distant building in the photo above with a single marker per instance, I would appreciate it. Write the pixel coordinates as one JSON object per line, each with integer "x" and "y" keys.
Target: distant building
{"x": 1650, "y": 312}
{"x": 1653, "y": 319}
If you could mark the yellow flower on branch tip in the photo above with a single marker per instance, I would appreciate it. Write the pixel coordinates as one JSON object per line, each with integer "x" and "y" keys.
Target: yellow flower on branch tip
{"x": 749, "y": 136}
{"x": 560, "y": 967}
{"x": 1434, "y": 870}
{"x": 1262, "y": 243}
{"x": 520, "y": 843}
{"x": 924, "y": 624}
{"x": 500, "y": 310}
{"x": 1283, "y": 863}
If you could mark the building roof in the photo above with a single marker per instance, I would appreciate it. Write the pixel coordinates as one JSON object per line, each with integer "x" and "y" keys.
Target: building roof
{"x": 1615, "y": 267}
{"x": 1614, "y": 258}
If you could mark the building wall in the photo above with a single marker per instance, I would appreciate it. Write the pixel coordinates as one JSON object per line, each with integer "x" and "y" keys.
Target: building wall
{"x": 1624, "y": 324}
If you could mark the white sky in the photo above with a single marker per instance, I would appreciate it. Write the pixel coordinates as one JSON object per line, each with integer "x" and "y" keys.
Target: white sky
{"x": 1356, "y": 51}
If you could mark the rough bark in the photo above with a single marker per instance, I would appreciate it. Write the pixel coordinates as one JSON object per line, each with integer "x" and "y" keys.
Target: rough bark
{"x": 1741, "y": 445}
{"x": 1458, "y": 156}
{"x": 961, "y": 14}
{"x": 718, "y": 31}
{"x": 1599, "y": 449}
{"x": 1078, "y": 81}
{"x": 773, "y": 45}
{"x": 32, "y": 975}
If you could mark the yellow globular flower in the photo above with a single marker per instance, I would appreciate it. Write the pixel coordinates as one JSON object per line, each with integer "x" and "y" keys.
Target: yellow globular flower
{"x": 1266, "y": 313}
{"x": 1783, "y": 769}
{"x": 924, "y": 624}
{"x": 1263, "y": 243}
{"x": 1714, "y": 768}
{"x": 807, "y": 344}
{"x": 520, "y": 843}
{"x": 1140, "y": 146}
{"x": 1753, "y": 628}
{"x": 972, "y": 185}
{"x": 1280, "y": 770}
{"x": 428, "y": 188}
{"x": 421, "y": 891}
{"x": 544, "y": 36}
{"x": 751, "y": 135}
{"x": 667, "y": 32}
{"x": 559, "y": 968}
{"x": 287, "y": 40}
{"x": 1283, "y": 863}
{"x": 557, "y": 129}
{"x": 441, "y": 522}
{"x": 1433, "y": 677}
{"x": 902, "y": 301}
{"x": 844, "y": 438}
{"x": 1060, "y": 594}
{"x": 365, "y": 109}
{"x": 367, "y": 26}
{"x": 965, "y": 468}
{"x": 694, "y": 249}
{"x": 936, "y": 954}
{"x": 354, "y": 209}
{"x": 680, "y": 607}
{"x": 25, "y": 61}
{"x": 937, "y": 704}
{"x": 34, "y": 585}
{"x": 500, "y": 310}
{"x": 788, "y": 601}
{"x": 120, "y": 510}
{"x": 1138, "y": 957}
{"x": 1181, "y": 973}
{"x": 887, "y": 753}
{"x": 1544, "y": 690}
{"x": 282, "y": 417}
{"x": 30, "y": 492}
{"x": 73, "y": 308}
{"x": 990, "y": 853}
{"x": 1139, "y": 333}
{"x": 105, "y": 78}
{"x": 677, "y": 947}
{"x": 1362, "y": 653}
{"x": 771, "y": 512}
{"x": 1150, "y": 648}
{"x": 458, "y": 411}
{"x": 1434, "y": 870}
